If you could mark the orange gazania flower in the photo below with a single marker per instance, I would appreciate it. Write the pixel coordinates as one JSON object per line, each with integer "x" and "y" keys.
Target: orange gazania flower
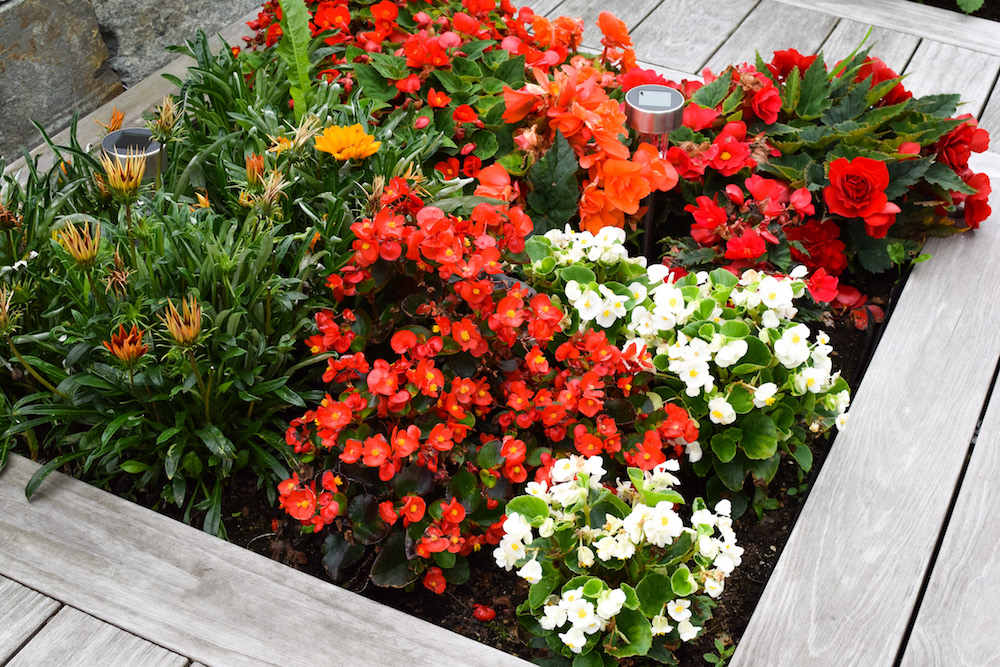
{"x": 346, "y": 143}
{"x": 124, "y": 176}
{"x": 79, "y": 243}
{"x": 186, "y": 328}
{"x": 114, "y": 123}
{"x": 127, "y": 346}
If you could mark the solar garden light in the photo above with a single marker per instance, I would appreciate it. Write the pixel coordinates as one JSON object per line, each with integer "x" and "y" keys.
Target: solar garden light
{"x": 653, "y": 111}
{"x": 136, "y": 140}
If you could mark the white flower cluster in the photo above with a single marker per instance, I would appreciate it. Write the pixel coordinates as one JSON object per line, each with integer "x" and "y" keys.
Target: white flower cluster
{"x": 659, "y": 526}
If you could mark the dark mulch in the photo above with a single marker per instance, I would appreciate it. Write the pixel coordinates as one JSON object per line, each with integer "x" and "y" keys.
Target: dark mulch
{"x": 990, "y": 9}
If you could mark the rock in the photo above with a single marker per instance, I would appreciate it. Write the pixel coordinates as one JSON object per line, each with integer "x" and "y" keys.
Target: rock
{"x": 138, "y": 32}
{"x": 52, "y": 62}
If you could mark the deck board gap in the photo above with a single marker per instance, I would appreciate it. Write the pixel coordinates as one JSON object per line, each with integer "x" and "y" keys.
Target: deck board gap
{"x": 943, "y": 530}
{"x": 646, "y": 16}
{"x": 913, "y": 55}
{"x": 989, "y": 96}
{"x": 826, "y": 39}
{"x": 736, "y": 27}
{"x": 41, "y": 627}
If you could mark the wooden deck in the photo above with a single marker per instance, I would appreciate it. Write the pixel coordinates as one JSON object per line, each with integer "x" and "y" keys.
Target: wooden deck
{"x": 890, "y": 563}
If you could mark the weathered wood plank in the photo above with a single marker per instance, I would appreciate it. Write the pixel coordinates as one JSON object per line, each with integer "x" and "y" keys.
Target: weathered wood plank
{"x": 770, "y": 27}
{"x": 916, "y": 19}
{"x": 540, "y": 7}
{"x": 197, "y": 595}
{"x": 844, "y": 588}
{"x": 943, "y": 68}
{"x": 74, "y": 638}
{"x": 894, "y": 48}
{"x": 631, "y": 13}
{"x": 22, "y": 612}
{"x": 135, "y": 101}
{"x": 683, "y": 34}
{"x": 990, "y": 119}
{"x": 956, "y": 623}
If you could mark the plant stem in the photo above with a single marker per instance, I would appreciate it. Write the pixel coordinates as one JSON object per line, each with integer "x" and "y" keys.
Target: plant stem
{"x": 102, "y": 303}
{"x": 31, "y": 369}
{"x": 201, "y": 383}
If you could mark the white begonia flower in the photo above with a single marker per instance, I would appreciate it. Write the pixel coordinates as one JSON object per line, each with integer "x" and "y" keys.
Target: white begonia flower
{"x": 821, "y": 358}
{"x": 750, "y": 276}
{"x": 714, "y": 587}
{"x": 708, "y": 546}
{"x": 632, "y": 525}
{"x": 537, "y": 489}
{"x": 531, "y": 571}
{"x": 657, "y": 273}
{"x": 724, "y": 507}
{"x": 573, "y": 291}
{"x": 548, "y": 527}
{"x": 553, "y": 617}
{"x": 584, "y": 556}
{"x": 660, "y": 478}
{"x": 516, "y": 527}
{"x": 679, "y": 609}
{"x": 571, "y": 596}
{"x": 841, "y": 401}
{"x": 610, "y": 602}
{"x": 609, "y": 313}
{"x": 687, "y": 631}
{"x": 811, "y": 380}
{"x": 557, "y": 237}
{"x": 663, "y": 319}
{"x": 582, "y": 615}
{"x": 624, "y": 547}
{"x": 638, "y": 291}
{"x": 703, "y": 517}
{"x": 663, "y": 526}
{"x": 792, "y": 349}
{"x": 720, "y": 411}
{"x": 770, "y": 320}
{"x": 669, "y": 297}
{"x": 606, "y": 547}
{"x": 729, "y": 558}
{"x": 594, "y": 466}
{"x": 642, "y": 322}
{"x": 568, "y": 494}
{"x": 725, "y": 526}
{"x": 589, "y": 305}
{"x": 693, "y": 451}
{"x": 731, "y": 353}
{"x": 701, "y": 277}
{"x": 508, "y": 552}
{"x": 841, "y": 421}
{"x": 775, "y": 293}
{"x": 764, "y": 395}
{"x": 574, "y": 638}
{"x": 695, "y": 374}
{"x": 562, "y": 470}
{"x": 799, "y": 271}
{"x": 661, "y": 625}
{"x": 609, "y": 236}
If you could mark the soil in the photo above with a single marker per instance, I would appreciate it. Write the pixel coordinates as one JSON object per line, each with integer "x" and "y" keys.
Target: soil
{"x": 990, "y": 9}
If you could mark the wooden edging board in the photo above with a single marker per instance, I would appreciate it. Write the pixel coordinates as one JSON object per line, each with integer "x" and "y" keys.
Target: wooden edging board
{"x": 197, "y": 595}
{"x": 846, "y": 585}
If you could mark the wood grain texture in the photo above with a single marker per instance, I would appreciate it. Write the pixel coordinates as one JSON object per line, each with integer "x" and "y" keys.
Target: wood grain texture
{"x": 22, "y": 612}
{"x": 134, "y": 102}
{"x": 916, "y": 19}
{"x": 197, "y": 595}
{"x": 73, "y": 638}
{"x": 631, "y": 12}
{"x": 956, "y": 623}
{"x": 894, "y": 48}
{"x": 683, "y": 34}
{"x": 943, "y": 68}
{"x": 541, "y": 7}
{"x": 990, "y": 119}
{"x": 844, "y": 588}
{"x": 773, "y": 26}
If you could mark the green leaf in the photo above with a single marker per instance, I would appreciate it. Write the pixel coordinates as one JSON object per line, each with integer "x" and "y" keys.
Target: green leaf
{"x": 488, "y": 456}
{"x": 592, "y": 659}
{"x": 374, "y": 84}
{"x": 724, "y": 447}
{"x": 511, "y": 71}
{"x": 133, "y": 467}
{"x": 367, "y": 524}
{"x": 939, "y": 106}
{"x": 849, "y": 107}
{"x": 815, "y": 92}
{"x": 538, "y": 248}
{"x": 486, "y": 144}
{"x": 760, "y": 436}
{"x": 803, "y": 456}
{"x": 712, "y": 95}
{"x": 116, "y": 424}
{"x": 791, "y": 91}
{"x": 653, "y": 591}
{"x": 43, "y": 472}
{"x": 682, "y": 583}
{"x": 765, "y": 470}
{"x": 581, "y": 274}
{"x": 391, "y": 67}
{"x": 945, "y": 177}
{"x": 790, "y": 167}
{"x": 969, "y": 6}
{"x": 637, "y": 632}
{"x": 293, "y": 49}
{"x": 216, "y": 441}
{"x": 391, "y": 568}
{"x": 554, "y": 196}
{"x": 534, "y": 510}
{"x": 872, "y": 253}
{"x": 338, "y": 554}
{"x": 540, "y": 591}
{"x": 905, "y": 173}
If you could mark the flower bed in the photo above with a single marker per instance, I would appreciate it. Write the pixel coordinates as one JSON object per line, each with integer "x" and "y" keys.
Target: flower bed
{"x": 442, "y": 205}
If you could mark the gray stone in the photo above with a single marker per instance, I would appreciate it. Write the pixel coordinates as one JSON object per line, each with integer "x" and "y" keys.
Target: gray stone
{"x": 137, "y": 32}
{"x": 52, "y": 63}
